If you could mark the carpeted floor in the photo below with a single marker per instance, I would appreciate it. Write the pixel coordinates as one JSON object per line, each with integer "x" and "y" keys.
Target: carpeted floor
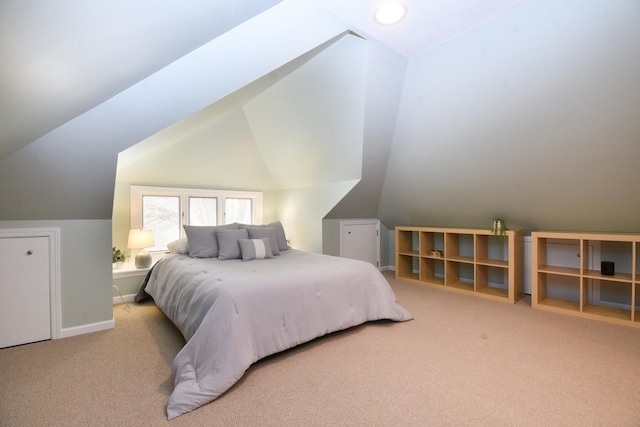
{"x": 463, "y": 361}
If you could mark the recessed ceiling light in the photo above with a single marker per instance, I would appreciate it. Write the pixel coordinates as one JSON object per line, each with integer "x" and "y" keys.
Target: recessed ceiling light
{"x": 389, "y": 13}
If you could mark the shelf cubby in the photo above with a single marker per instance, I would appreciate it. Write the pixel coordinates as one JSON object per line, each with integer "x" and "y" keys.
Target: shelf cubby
{"x": 459, "y": 247}
{"x": 557, "y": 290}
{"x": 492, "y": 251}
{"x": 635, "y": 313}
{"x": 430, "y": 241}
{"x": 459, "y": 275}
{"x": 407, "y": 242}
{"x": 492, "y": 280}
{"x": 636, "y": 262}
{"x": 614, "y": 312}
{"x": 432, "y": 270}
{"x": 576, "y": 285}
{"x": 472, "y": 261}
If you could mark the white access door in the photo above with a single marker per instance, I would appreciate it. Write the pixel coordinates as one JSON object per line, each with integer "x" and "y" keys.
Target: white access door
{"x": 361, "y": 240}
{"x": 25, "y": 310}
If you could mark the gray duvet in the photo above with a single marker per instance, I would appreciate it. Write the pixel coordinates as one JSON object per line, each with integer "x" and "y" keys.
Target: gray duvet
{"x": 234, "y": 313}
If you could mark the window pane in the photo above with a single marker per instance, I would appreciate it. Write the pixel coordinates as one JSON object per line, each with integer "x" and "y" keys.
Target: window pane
{"x": 162, "y": 215}
{"x": 238, "y": 210}
{"x": 203, "y": 211}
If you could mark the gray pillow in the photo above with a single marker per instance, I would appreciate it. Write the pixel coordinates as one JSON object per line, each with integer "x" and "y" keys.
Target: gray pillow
{"x": 202, "y": 239}
{"x": 228, "y": 246}
{"x": 268, "y": 232}
{"x": 255, "y": 249}
{"x": 280, "y": 236}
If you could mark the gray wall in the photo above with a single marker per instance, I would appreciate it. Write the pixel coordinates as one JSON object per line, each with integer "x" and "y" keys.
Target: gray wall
{"x": 85, "y": 268}
{"x": 533, "y": 117}
{"x": 385, "y": 75}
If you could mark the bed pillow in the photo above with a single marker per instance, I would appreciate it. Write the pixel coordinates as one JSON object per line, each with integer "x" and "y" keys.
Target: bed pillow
{"x": 268, "y": 232}
{"x": 280, "y": 236}
{"x": 255, "y": 249}
{"x": 228, "y": 246}
{"x": 202, "y": 239}
{"x": 180, "y": 246}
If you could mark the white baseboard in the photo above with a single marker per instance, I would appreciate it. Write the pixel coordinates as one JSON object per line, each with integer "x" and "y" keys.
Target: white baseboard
{"x": 125, "y": 298}
{"x": 388, "y": 268}
{"x": 87, "y": 329}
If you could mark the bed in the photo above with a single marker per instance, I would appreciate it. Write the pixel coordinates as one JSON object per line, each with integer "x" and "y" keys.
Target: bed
{"x": 235, "y": 311}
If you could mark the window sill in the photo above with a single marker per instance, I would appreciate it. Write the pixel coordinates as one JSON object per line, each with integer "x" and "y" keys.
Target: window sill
{"x": 129, "y": 269}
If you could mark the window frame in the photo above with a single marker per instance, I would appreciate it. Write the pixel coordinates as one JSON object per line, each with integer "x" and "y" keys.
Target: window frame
{"x": 184, "y": 193}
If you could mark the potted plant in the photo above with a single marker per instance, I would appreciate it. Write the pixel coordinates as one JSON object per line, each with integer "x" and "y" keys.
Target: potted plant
{"x": 498, "y": 228}
{"x": 119, "y": 257}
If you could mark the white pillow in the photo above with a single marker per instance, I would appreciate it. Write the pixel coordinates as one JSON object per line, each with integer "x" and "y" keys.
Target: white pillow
{"x": 180, "y": 246}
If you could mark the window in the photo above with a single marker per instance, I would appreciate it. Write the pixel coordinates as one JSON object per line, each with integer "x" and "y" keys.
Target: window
{"x": 166, "y": 209}
{"x": 203, "y": 211}
{"x": 239, "y": 210}
{"x": 162, "y": 215}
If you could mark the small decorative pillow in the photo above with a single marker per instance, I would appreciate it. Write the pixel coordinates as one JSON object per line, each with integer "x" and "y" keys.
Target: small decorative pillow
{"x": 255, "y": 249}
{"x": 228, "y": 246}
{"x": 179, "y": 246}
{"x": 260, "y": 232}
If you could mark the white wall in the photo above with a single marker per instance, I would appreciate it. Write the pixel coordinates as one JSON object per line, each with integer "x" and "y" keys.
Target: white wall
{"x": 309, "y": 125}
{"x": 300, "y": 138}
{"x": 309, "y": 129}
{"x": 222, "y": 155}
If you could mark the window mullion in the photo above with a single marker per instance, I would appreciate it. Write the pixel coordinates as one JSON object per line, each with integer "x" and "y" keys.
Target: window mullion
{"x": 222, "y": 209}
{"x": 184, "y": 211}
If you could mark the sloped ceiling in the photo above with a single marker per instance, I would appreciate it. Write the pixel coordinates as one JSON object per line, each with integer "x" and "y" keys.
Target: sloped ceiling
{"x": 71, "y": 170}
{"x": 303, "y": 128}
{"x": 62, "y": 58}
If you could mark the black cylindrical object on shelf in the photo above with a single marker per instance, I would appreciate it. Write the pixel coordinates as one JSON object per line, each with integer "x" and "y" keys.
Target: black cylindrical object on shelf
{"x": 607, "y": 268}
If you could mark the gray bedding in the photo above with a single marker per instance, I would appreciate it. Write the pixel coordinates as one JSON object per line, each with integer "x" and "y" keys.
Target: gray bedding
{"x": 234, "y": 313}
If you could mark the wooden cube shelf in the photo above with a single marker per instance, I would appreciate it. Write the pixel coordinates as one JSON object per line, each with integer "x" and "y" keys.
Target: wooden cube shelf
{"x": 573, "y": 285}
{"x": 472, "y": 261}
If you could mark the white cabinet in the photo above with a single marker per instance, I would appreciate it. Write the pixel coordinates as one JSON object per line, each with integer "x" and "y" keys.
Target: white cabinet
{"x": 352, "y": 238}
{"x": 25, "y": 310}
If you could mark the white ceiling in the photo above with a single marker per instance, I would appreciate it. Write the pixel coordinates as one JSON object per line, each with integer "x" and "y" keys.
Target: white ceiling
{"x": 61, "y": 58}
{"x": 427, "y": 24}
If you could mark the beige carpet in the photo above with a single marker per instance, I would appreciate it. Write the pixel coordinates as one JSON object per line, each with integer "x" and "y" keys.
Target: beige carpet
{"x": 464, "y": 361}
